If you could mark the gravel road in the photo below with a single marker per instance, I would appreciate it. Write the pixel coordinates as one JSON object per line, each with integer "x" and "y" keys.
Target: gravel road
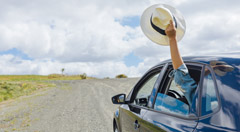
{"x": 71, "y": 106}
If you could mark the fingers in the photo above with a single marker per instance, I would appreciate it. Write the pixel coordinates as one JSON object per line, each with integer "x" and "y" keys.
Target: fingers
{"x": 170, "y": 30}
{"x": 171, "y": 22}
{"x": 170, "y": 25}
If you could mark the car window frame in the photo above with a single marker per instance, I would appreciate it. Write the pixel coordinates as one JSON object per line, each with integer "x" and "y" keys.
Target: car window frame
{"x": 216, "y": 90}
{"x": 190, "y": 117}
{"x": 146, "y": 76}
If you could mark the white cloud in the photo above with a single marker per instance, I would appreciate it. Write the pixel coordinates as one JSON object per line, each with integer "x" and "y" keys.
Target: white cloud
{"x": 67, "y": 31}
{"x": 209, "y": 33}
{"x": 14, "y": 65}
{"x": 85, "y": 34}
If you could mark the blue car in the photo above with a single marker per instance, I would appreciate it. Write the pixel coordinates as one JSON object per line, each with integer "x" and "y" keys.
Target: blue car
{"x": 156, "y": 103}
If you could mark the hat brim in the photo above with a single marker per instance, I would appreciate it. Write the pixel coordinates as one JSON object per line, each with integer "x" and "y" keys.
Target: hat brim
{"x": 155, "y": 36}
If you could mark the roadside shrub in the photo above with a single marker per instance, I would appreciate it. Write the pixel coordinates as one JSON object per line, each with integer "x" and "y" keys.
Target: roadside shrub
{"x": 54, "y": 76}
{"x": 121, "y": 76}
{"x": 83, "y": 76}
{"x": 7, "y": 91}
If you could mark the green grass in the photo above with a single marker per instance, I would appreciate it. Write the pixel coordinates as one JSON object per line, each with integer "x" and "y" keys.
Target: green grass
{"x": 40, "y": 77}
{"x": 13, "y": 89}
{"x": 13, "y": 86}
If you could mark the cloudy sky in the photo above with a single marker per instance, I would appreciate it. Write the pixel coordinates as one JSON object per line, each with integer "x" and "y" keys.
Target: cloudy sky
{"x": 102, "y": 38}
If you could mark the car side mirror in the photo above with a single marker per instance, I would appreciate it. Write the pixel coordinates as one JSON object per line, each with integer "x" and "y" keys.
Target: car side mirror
{"x": 119, "y": 99}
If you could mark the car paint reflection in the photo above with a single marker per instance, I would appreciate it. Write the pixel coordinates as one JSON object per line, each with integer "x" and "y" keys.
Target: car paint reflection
{"x": 169, "y": 104}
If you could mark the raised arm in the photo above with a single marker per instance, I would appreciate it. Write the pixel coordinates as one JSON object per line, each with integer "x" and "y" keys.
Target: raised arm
{"x": 175, "y": 54}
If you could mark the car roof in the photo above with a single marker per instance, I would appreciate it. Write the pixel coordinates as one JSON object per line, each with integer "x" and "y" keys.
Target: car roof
{"x": 226, "y": 57}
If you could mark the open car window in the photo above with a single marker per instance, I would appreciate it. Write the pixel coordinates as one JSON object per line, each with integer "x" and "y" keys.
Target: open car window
{"x": 170, "y": 97}
{"x": 171, "y": 105}
{"x": 172, "y": 100}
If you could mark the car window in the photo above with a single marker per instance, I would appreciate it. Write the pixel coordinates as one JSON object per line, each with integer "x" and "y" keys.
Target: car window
{"x": 144, "y": 92}
{"x": 174, "y": 90}
{"x": 171, "y": 99}
{"x": 209, "y": 95}
{"x": 171, "y": 105}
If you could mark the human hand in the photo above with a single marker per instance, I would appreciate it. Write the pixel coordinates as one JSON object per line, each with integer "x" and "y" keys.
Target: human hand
{"x": 171, "y": 30}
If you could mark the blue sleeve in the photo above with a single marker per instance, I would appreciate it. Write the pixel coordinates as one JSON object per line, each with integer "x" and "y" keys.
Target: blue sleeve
{"x": 185, "y": 81}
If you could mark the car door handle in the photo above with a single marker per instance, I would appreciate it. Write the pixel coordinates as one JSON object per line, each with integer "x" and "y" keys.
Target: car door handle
{"x": 136, "y": 125}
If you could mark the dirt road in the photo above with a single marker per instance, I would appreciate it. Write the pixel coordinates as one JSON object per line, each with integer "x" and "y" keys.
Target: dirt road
{"x": 72, "y": 106}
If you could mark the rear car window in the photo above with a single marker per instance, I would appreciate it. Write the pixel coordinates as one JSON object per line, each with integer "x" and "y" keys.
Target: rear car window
{"x": 209, "y": 94}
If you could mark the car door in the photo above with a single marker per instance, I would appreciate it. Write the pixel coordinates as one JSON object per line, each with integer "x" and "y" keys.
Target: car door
{"x": 170, "y": 110}
{"x": 131, "y": 114}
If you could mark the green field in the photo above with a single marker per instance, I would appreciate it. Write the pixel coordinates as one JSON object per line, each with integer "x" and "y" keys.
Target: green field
{"x": 14, "y": 86}
{"x": 40, "y": 77}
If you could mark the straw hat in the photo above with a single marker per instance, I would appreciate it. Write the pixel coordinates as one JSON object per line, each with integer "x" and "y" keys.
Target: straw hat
{"x": 155, "y": 20}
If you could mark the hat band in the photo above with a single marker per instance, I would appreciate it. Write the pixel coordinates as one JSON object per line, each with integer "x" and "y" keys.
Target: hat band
{"x": 159, "y": 30}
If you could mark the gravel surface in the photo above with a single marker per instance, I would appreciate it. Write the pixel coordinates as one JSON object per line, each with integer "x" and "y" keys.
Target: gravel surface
{"x": 72, "y": 106}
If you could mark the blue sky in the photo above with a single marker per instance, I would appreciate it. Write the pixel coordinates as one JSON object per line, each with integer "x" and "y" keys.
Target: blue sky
{"x": 132, "y": 60}
{"x": 131, "y": 21}
{"x": 104, "y": 38}
{"x": 16, "y": 52}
